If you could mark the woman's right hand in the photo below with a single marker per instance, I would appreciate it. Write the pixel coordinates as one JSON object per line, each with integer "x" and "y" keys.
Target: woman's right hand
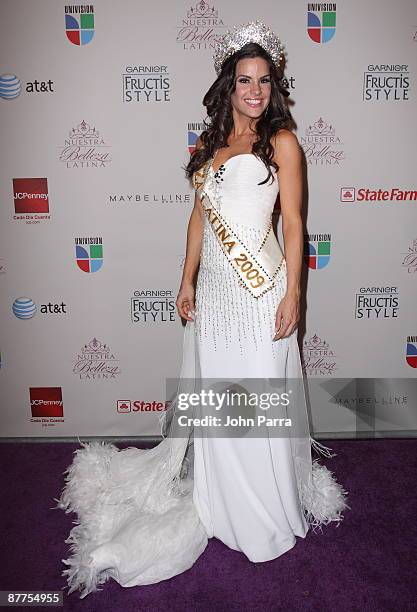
{"x": 185, "y": 301}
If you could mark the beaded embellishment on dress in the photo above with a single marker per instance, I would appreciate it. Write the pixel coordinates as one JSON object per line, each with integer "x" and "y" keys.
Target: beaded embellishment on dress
{"x": 218, "y": 174}
{"x": 225, "y": 311}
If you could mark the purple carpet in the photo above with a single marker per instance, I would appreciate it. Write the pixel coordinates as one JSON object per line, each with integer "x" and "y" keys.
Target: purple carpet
{"x": 367, "y": 563}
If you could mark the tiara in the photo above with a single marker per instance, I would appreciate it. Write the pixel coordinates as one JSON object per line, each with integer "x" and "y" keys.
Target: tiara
{"x": 239, "y": 36}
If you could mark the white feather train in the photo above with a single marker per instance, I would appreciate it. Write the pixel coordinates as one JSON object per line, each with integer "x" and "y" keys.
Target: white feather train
{"x": 136, "y": 521}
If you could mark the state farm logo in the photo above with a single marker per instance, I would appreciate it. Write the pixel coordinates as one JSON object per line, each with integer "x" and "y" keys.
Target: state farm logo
{"x": 364, "y": 194}
{"x": 347, "y": 194}
{"x": 125, "y": 406}
{"x": 31, "y": 200}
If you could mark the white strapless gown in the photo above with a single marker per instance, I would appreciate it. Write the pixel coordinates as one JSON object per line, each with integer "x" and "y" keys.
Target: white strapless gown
{"x": 140, "y": 520}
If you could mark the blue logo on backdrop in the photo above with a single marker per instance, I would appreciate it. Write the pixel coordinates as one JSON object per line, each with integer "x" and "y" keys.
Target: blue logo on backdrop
{"x": 24, "y": 308}
{"x": 10, "y": 86}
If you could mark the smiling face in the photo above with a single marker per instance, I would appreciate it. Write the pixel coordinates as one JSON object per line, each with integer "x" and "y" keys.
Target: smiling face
{"x": 253, "y": 87}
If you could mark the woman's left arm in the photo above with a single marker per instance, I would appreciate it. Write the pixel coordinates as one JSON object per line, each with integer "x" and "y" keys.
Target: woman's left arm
{"x": 289, "y": 159}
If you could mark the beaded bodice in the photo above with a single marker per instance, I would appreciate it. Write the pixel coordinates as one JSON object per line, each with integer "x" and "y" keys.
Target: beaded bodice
{"x": 234, "y": 187}
{"x": 227, "y": 313}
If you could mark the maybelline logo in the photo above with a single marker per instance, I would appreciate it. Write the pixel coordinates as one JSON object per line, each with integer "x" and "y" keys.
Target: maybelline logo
{"x": 321, "y": 145}
{"x": 409, "y": 261}
{"x": 96, "y": 361}
{"x": 146, "y": 83}
{"x": 377, "y": 196}
{"x": 150, "y": 198}
{"x": 377, "y": 303}
{"x": 152, "y": 306}
{"x": 201, "y": 28}
{"x": 386, "y": 83}
{"x": 363, "y": 395}
{"x": 85, "y": 148}
{"x": 318, "y": 358}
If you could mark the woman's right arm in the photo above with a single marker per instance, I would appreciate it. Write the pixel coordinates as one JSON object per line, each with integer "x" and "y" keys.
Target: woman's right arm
{"x": 185, "y": 299}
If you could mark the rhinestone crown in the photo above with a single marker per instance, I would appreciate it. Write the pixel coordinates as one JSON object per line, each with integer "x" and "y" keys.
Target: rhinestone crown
{"x": 239, "y": 36}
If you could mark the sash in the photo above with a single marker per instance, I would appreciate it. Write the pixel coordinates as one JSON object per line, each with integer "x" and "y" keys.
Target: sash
{"x": 257, "y": 272}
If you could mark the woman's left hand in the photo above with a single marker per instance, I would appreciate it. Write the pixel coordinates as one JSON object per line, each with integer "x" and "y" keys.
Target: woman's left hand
{"x": 287, "y": 316}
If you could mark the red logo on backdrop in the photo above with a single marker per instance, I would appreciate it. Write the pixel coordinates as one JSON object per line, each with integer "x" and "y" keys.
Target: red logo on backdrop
{"x": 123, "y": 406}
{"x": 365, "y": 194}
{"x": 30, "y": 195}
{"x": 347, "y": 194}
{"x": 46, "y": 401}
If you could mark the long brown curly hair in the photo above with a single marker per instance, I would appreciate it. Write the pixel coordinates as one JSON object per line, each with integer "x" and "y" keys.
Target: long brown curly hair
{"x": 219, "y": 111}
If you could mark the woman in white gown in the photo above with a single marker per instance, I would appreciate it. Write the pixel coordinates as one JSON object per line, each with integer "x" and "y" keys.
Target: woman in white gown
{"x": 146, "y": 515}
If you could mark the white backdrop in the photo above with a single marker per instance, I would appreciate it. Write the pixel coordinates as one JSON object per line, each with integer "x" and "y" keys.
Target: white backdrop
{"x": 100, "y": 106}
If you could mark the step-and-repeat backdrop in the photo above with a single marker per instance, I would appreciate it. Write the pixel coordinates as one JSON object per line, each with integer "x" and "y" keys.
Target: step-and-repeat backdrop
{"x": 101, "y": 105}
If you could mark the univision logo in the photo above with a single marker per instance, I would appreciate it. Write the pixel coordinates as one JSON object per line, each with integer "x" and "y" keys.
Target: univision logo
{"x": 317, "y": 250}
{"x": 321, "y": 24}
{"x": 194, "y": 131}
{"x": 90, "y": 256}
{"x": 79, "y": 23}
{"x": 24, "y": 308}
{"x": 10, "y": 86}
{"x": 411, "y": 351}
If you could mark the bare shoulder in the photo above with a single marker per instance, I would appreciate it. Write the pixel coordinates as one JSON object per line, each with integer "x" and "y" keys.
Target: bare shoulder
{"x": 286, "y": 147}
